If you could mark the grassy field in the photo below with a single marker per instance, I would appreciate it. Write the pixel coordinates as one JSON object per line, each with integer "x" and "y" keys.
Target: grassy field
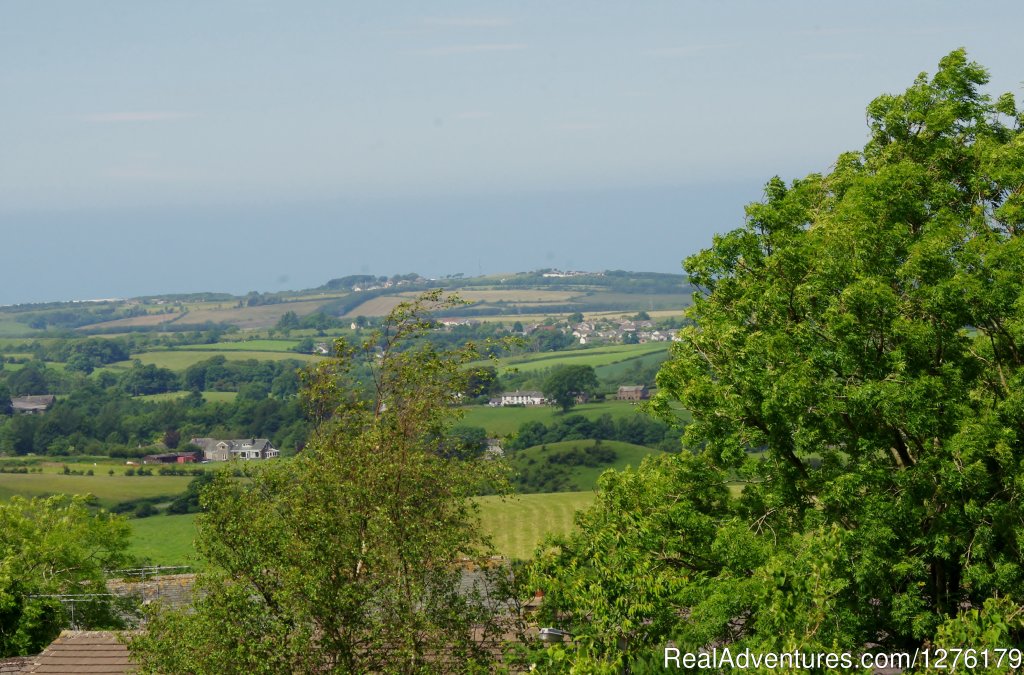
{"x": 108, "y": 489}
{"x": 247, "y": 346}
{"x": 208, "y": 396}
{"x": 517, "y": 525}
{"x": 180, "y": 359}
{"x": 595, "y": 356}
{"x": 501, "y": 421}
{"x": 378, "y": 306}
{"x": 583, "y": 477}
{"x": 260, "y": 316}
{"x": 619, "y": 368}
{"x": 165, "y": 540}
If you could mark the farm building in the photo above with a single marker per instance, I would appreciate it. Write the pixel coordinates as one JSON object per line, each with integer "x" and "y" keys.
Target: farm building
{"x": 636, "y": 392}
{"x": 172, "y": 458}
{"x": 215, "y": 450}
{"x": 32, "y": 405}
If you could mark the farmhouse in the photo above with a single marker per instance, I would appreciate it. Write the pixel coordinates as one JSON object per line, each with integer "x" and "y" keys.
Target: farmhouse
{"x": 215, "y": 450}
{"x": 32, "y": 405}
{"x": 522, "y": 398}
{"x": 171, "y": 458}
{"x": 637, "y": 392}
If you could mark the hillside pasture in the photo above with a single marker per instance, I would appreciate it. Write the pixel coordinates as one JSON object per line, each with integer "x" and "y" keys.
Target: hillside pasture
{"x": 109, "y": 490}
{"x": 180, "y": 359}
{"x": 245, "y": 346}
{"x": 379, "y": 306}
{"x": 260, "y": 316}
{"x": 595, "y": 356}
{"x": 581, "y": 477}
{"x": 146, "y": 320}
{"x": 505, "y": 420}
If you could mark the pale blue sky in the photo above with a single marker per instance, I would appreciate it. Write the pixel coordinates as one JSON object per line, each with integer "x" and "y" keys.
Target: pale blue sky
{"x": 158, "y": 147}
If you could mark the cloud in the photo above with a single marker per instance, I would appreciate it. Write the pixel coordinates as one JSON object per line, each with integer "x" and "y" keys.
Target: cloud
{"x": 688, "y": 50}
{"x": 472, "y": 115}
{"x": 471, "y": 49}
{"x": 137, "y": 116}
{"x": 467, "y": 22}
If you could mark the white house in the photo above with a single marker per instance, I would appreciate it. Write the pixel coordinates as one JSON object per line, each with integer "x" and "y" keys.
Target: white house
{"x": 522, "y": 398}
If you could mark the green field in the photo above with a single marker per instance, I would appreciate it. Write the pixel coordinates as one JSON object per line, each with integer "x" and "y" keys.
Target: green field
{"x": 246, "y": 346}
{"x": 181, "y": 359}
{"x": 517, "y": 525}
{"x": 615, "y": 370}
{"x": 109, "y": 490}
{"x": 593, "y": 356}
{"x": 208, "y": 396}
{"x": 165, "y": 540}
{"x": 502, "y": 421}
{"x": 583, "y": 478}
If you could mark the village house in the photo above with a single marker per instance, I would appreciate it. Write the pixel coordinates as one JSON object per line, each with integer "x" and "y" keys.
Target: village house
{"x": 637, "y": 392}
{"x": 215, "y": 450}
{"x": 32, "y": 405}
{"x": 519, "y": 398}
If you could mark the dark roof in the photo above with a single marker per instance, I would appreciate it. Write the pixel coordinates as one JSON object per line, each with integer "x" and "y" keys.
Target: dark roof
{"x": 81, "y": 652}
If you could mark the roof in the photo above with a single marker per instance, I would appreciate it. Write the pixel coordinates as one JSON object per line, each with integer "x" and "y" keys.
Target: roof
{"x": 632, "y": 387}
{"x": 533, "y": 394}
{"x": 32, "y": 402}
{"x": 81, "y": 652}
{"x": 14, "y": 665}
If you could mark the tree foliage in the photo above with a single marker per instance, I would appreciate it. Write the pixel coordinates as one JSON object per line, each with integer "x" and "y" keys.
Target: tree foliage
{"x": 856, "y": 363}
{"x": 346, "y": 557}
{"x": 50, "y": 547}
{"x": 566, "y": 383}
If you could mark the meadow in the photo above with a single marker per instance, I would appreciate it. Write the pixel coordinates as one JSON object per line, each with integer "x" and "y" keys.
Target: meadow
{"x": 180, "y": 359}
{"x": 516, "y": 525}
{"x": 108, "y": 490}
{"x": 582, "y": 478}
{"x": 246, "y": 346}
{"x": 502, "y": 421}
{"x": 594, "y": 356}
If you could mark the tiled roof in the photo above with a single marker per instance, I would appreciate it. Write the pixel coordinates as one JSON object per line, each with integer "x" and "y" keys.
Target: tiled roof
{"x": 15, "y": 665}
{"x": 80, "y": 652}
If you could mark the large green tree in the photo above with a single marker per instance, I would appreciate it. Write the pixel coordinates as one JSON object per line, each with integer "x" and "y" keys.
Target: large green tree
{"x": 855, "y": 364}
{"x": 350, "y": 556}
{"x": 49, "y": 549}
{"x": 567, "y": 383}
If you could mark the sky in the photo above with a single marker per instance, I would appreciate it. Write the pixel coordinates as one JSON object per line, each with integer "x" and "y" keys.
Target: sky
{"x": 151, "y": 147}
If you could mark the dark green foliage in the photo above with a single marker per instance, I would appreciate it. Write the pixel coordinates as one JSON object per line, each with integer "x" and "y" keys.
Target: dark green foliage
{"x": 567, "y": 383}
{"x": 635, "y": 429}
{"x": 864, "y": 331}
{"x": 53, "y": 547}
{"x": 188, "y": 501}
